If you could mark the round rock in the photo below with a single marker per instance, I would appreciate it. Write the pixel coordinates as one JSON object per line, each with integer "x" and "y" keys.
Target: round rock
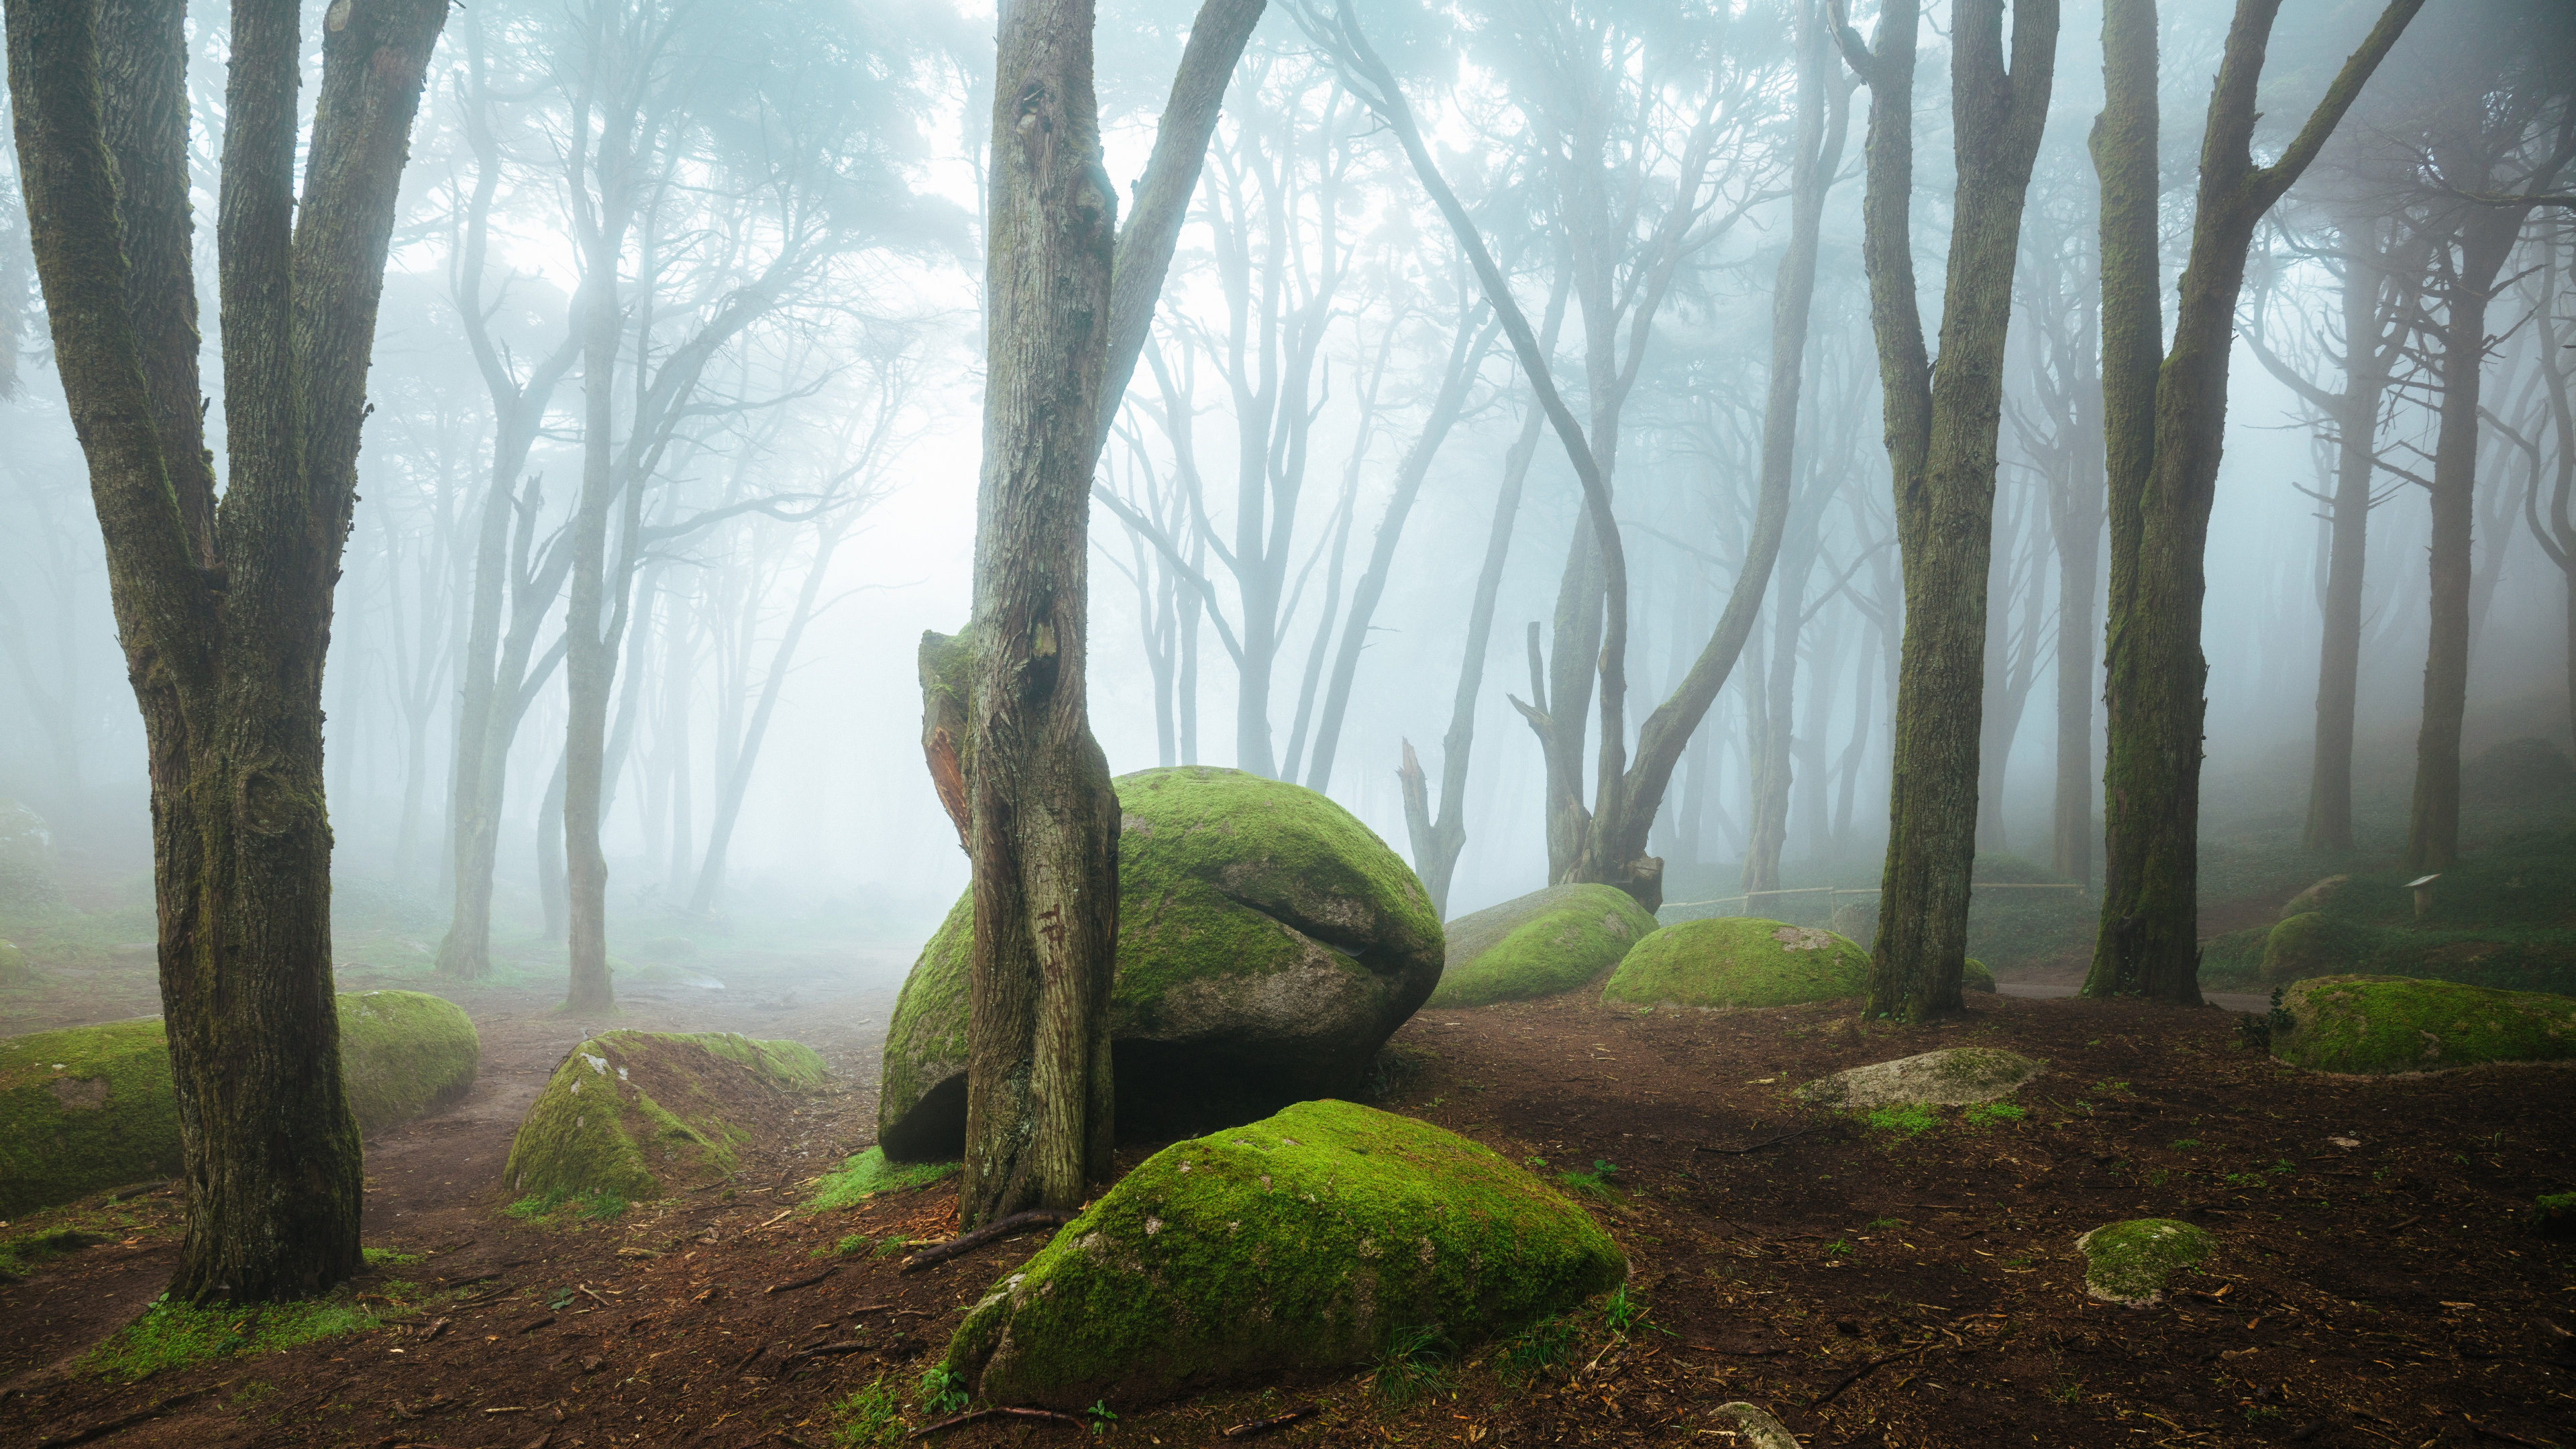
{"x": 1268, "y": 945}
{"x": 1540, "y": 944}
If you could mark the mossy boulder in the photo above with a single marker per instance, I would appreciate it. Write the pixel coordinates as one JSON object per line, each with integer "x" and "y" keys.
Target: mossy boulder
{"x": 1543, "y": 943}
{"x": 13, "y": 965}
{"x": 84, "y": 1109}
{"x": 1973, "y": 976}
{"x": 1268, "y": 945}
{"x": 1738, "y": 961}
{"x": 639, "y": 1115}
{"x": 404, "y": 1054}
{"x": 1857, "y": 921}
{"x": 2130, "y": 1263}
{"x": 1955, "y": 1077}
{"x": 2375, "y": 1024}
{"x": 2314, "y": 943}
{"x": 1302, "y": 1242}
{"x": 2315, "y": 897}
{"x": 92, "y": 1107}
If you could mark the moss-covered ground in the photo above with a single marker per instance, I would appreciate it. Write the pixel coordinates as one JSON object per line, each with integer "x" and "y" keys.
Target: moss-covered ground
{"x": 2133, "y": 1262}
{"x": 867, "y": 1173}
{"x": 1738, "y": 961}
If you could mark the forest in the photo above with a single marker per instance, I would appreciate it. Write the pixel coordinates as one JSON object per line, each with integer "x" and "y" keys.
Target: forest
{"x": 681, "y": 762}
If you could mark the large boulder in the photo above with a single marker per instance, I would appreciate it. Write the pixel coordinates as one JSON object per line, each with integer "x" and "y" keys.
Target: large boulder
{"x": 2315, "y": 897}
{"x": 2313, "y": 943}
{"x": 1545, "y": 942}
{"x": 1301, "y": 1242}
{"x": 1738, "y": 961}
{"x": 1268, "y": 945}
{"x": 93, "y": 1107}
{"x": 2374, "y": 1024}
{"x": 1955, "y": 1077}
{"x": 638, "y": 1115}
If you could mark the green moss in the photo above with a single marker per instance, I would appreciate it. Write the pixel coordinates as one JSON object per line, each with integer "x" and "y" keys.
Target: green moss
{"x": 2395, "y": 1024}
{"x": 390, "y": 1258}
{"x": 404, "y": 1054}
{"x": 2131, "y": 1262}
{"x": 1738, "y": 961}
{"x": 1913, "y": 1121}
{"x": 633, "y": 1115}
{"x": 93, "y": 1107}
{"x": 1543, "y": 943}
{"x": 1973, "y": 976}
{"x": 1303, "y": 1241}
{"x": 175, "y": 1335}
{"x": 2553, "y": 1214}
{"x": 1258, "y": 922}
{"x": 84, "y": 1109}
{"x": 2314, "y": 943}
{"x": 868, "y": 1173}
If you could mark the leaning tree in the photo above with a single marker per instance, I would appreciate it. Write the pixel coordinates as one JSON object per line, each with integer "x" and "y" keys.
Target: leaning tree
{"x": 223, "y": 598}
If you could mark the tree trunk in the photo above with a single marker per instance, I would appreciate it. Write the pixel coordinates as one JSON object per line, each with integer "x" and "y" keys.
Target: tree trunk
{"x": 553, "y": 899}
{"x": 2164, "y": 471}
{"x": 590, "y": 660}
{"x": 2329, "y": 823}
{"x": 1941, "y": 432}
{"x": 1044, "y": 819}
{"x": 224, "y": 608}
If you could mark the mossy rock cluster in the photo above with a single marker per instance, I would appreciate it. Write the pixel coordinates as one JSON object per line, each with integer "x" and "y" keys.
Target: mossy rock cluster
{"x": 2131, "y": 1263}
{"x": 638, "y": 1115}
{"x": 1956, "y": 1077}
{"x": 2380, "y": 1024}
{"x": 1299, "y": 1243}
{"x": 93, "y": 1107}
{"x": 1726, "y": 961}
{"x": 1543, "y": 943}
{"x": 2313, "y": 943}
{"x": 1268, "y": 945}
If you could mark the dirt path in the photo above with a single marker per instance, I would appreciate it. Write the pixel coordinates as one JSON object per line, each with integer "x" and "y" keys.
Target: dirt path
{"x": 1874, "y": 1287}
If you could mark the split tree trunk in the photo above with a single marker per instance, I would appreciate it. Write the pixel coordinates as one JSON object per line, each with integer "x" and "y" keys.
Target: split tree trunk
{"x": 2163, "y": 467}
{"x": 224, "y": 608}
{"x": 1941, "y": 433}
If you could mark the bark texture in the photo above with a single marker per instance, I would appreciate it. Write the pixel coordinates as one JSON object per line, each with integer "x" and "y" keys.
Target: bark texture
{"x": 1941, "y": 438}
{"x": 2163, "y": 469}
{"x": 224, "y": 607}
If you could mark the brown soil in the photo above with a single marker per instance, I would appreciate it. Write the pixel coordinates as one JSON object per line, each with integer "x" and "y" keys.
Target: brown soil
{"x": 1870, "y": 1287}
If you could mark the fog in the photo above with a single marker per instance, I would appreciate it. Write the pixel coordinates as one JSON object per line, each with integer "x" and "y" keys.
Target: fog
{"x": 800, "y": 419}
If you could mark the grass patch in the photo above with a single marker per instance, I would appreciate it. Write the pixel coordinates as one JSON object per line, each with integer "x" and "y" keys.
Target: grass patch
{"x": 870, "y": 1417}
{"x": 1990, "y": 1112}
{"x": 1913, "y": 1121}
{"x": 1536, "y": 1349}
{"x": 556, "y": 1205}
{"x": 1595, "y": 1183}
{"x": 868, "y": 1173}
{"x": 175, "y": 1335}
{"x": 390, "y": 1258}
{"x": 849, "y": 1246}
{"x": 1414, "y": 1366}
{"x": 943, "y": 1392}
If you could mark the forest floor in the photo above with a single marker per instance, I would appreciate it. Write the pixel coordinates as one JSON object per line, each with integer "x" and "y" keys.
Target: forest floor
{"x": 2375, "y": 1282}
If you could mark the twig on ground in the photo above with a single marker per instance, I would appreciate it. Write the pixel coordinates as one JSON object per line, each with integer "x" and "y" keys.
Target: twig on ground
{"x": 105, "y": 1427}
{"x": 805, "y": 1282}
{"x": 540, "y": 1323}
{"x": 1739, "y": 1352}
{"x": 969, "y": 1242}
{"x": 2485, "y": 1431}
{"x": 1864, "y": 1371}
{"x": 1264, "y": 1426}
{"x": 827, "y": 1350}
{"x": 977, "y": 1416}
{"x": 1756, "y": 1147}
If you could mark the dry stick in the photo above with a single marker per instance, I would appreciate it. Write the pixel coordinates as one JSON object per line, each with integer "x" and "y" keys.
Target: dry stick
{"x": 807, "y": 1282}
{"x": 2486, "y": 1432}
{"x": 105, "y": 1427}
{"x": 1864, "y": 1371}
{"x": 1264, "y": 1426}
{"x": 827, "y": 1350}
{"x": 1756, "y": 1147}
{"x": 967, "y": 1243}
{"x": 977, "y": 1416}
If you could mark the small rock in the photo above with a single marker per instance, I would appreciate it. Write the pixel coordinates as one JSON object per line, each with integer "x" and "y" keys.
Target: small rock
{"x": 1753, "y": 1427}
{"x": 2129, "y": 1263}
{"x": 1954, "y": 1076}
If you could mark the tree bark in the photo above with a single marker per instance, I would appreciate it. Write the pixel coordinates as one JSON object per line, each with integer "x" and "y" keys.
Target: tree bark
{"x": 224, "y": 608}
{"x": 1941, "y": 438}
{"x": 2164, "y": 471}
{"x": 1043, "y": 819}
